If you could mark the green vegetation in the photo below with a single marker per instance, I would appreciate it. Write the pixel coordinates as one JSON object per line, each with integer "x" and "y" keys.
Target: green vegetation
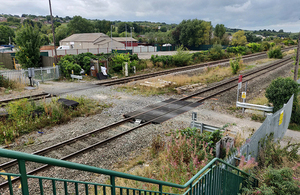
{"x": 176, "y": 160}
{"x": 278, "y": 169}
{"x": 192, "y": 33}
{"x": 6, "y": 33}
{"x": 28, "y": 40}
{"x": 25, "y": 116}
{"x": 275, "y": 52}
{"x": 239, "y": 38}
{"x": 280, "y": 91}
{"x": 236, "y": 64}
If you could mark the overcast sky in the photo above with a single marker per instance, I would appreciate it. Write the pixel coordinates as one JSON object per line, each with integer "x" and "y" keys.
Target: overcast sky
{"x": 244, "y": 14}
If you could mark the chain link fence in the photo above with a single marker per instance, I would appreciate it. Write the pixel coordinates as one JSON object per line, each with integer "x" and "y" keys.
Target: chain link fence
{"x": 276, "y": 124}
{"x": 40, "y": 74}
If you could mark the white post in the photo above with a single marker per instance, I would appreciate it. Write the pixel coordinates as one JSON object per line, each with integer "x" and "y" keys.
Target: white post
{"x": 126, "y": 69}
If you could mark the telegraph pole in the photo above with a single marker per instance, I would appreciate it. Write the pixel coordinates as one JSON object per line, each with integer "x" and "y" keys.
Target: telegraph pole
{"x": 297, "y": 60}
{"x": 53, "y": 32}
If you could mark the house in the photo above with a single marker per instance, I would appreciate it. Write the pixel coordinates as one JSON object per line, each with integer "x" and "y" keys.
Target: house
{"x": 90, "y": 41}
{"x": 128, "y": 39}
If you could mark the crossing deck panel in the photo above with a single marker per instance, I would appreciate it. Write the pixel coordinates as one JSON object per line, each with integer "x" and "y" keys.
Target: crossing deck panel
{"x": 162, "y": 111}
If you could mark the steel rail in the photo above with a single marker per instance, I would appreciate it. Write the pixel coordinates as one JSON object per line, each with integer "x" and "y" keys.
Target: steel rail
{"x": 5, "y": 165}
{"x": 164, "y": 72}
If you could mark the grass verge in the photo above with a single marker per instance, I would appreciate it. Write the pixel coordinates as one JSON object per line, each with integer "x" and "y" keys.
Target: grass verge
{"x": 26, "y": 116}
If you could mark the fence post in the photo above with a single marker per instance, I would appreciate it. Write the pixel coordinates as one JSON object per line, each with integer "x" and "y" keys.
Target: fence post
{"x": 42, "y": 74}
{"x": 24, "y": 182}
{"x": 113, "y": 185}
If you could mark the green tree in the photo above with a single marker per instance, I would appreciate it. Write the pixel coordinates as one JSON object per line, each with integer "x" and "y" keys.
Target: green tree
{"x": 220, "y": 30}
{"x": 102, "y": 26}
{"x": 5, "y": 33}
{"x": 163, "y": 29}
{"x": 61, "y": 32}
{"x": 192, "y": 33}
{"x": 28, "y": 40}
{"x": 239, "y": 38}
{"x": 80, "y": 25}
{"x": 44, "y": 39}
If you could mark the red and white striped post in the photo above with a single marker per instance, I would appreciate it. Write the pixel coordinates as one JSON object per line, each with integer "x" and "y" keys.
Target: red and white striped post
{"x": 239, "y": 86}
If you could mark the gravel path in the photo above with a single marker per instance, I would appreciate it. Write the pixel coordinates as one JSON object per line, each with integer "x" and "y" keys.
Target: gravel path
{"x": 212, "y": 112}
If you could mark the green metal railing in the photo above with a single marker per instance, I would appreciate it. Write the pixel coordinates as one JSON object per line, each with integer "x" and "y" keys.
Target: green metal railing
{"x": 217, "y": 177}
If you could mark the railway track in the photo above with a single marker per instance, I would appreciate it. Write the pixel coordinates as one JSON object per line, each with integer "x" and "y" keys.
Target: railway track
{"x": 174, "y": 70}
{"x": 140, "y": 77}
{"x": 88, "y": 141}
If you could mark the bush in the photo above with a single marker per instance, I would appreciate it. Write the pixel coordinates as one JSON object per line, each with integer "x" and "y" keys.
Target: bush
{"x": 255, "y": 47}
{"x": 265, "y": 46}
{"x": 280, "y": 91}
{"x": 275, "y": 52}
{"x": 67, "y": 67}
{"x": 216, "y": 52}
{"x": 182, "y": 57}
{"x": 141, "y": 65}
{"x": 235, "y": 64}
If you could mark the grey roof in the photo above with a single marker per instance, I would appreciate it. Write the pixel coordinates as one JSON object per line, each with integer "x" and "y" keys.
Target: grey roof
{"x": 123, "y": 39}
{"x": 86, "y": 37}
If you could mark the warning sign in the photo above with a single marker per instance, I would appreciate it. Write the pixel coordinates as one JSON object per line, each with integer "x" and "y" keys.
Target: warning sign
{"x": 281, "y": 117}
{"x": 244, "y": 94}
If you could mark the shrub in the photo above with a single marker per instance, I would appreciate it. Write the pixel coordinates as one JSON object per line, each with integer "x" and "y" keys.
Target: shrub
{"x": 182, "y": 57}
{"x": 216, "y": 52}
{"x": 275, "y": 52}
{"x": 265, "y": 46}
{"x": 67, "y": 67}
{"x": 255, "y": 47}
{"x": 280, "y": 91}
{"x": 141, "y": 65}
{"x": 235, "y": 64}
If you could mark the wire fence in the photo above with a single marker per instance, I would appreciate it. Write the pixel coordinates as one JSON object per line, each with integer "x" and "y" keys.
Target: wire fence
{"x": 40, "y": 74}
{"x": 275, "y": 124}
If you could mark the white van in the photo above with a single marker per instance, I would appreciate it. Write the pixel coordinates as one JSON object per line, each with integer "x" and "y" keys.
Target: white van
{"x": 63, "y": 47}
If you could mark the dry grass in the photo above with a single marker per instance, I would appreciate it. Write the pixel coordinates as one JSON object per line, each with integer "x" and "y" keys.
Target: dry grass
{"x": 260, "y": 100}
{"x": 209, "y": 75}
{"x": 289, "y": 52}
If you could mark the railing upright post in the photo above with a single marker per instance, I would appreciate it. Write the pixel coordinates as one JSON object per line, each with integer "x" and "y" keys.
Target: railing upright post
{"x": 113, "y": 185}
{"x": 191, "y": 188}
{"x": 160, "y": 189}
{"x": 23, "y": 177}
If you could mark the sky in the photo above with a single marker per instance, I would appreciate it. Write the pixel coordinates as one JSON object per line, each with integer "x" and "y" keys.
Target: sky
{"x": 243, "y": 14}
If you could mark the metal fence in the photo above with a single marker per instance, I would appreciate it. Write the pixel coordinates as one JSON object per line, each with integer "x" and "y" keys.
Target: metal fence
{"x": 275, "y": 124}
{"x": 40, "y": 74}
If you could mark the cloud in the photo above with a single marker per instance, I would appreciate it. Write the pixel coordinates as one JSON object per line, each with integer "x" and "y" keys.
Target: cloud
{"x": 248, "y": 14}
{"x": 238, "y": 7}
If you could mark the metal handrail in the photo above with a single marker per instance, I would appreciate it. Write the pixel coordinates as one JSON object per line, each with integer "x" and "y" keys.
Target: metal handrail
{"x": 22, "y": 157}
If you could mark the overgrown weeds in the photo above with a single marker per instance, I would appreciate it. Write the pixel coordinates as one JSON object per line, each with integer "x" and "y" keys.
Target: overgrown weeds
{"x": 175, "y": 159}
{"x": 278, "y": 168}
{"x": 26, "y": 116}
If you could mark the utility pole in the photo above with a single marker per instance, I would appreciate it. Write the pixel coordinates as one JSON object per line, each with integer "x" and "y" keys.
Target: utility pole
{"x": 53, "y": 32}
{"x": 111, "y": 38}
{"x": 126, "y": 36}
{"x": 297, "y": 60}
